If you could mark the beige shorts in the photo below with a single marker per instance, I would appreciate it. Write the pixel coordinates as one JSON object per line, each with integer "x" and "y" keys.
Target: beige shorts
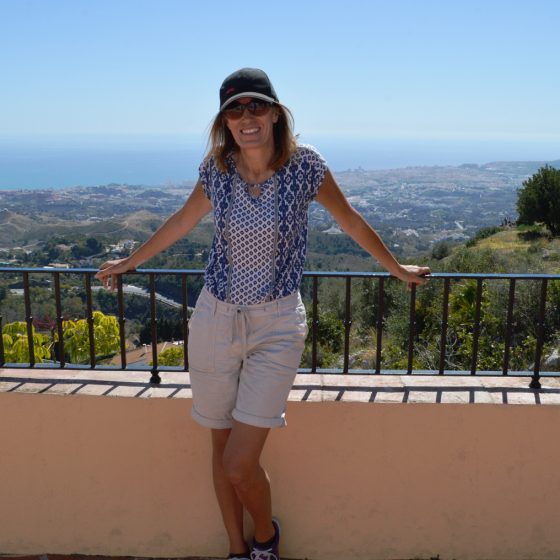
{"x": 243, "y": 360}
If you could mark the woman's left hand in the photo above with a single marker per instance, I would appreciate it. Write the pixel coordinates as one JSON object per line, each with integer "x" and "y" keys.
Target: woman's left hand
{"x": 412, "y": 274}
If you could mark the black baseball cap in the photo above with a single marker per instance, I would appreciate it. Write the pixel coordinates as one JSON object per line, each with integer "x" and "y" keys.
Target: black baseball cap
{"x": 247, "y": 82}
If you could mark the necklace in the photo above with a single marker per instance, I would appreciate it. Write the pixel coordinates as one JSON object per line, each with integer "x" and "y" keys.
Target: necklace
{"x": 254, "y": 191}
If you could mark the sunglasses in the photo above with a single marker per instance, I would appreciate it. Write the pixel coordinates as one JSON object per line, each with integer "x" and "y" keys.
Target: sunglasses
{"x": 255, "y": 108}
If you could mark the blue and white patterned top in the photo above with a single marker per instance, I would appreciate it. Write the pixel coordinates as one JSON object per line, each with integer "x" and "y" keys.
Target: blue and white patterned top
{"x": 259, "y": 246}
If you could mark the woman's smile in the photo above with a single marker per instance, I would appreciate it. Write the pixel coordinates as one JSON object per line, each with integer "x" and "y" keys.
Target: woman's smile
{"x": 252, "y": 130}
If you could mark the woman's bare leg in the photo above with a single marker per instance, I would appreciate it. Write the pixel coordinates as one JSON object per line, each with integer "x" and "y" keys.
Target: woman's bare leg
{"x": 230, "y": 506}
{"x": 241, "y": 462}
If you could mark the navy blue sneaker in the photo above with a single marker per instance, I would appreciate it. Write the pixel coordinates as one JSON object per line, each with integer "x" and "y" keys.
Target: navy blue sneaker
{"x": 270, "y": 553}
{"x": 240, "y": 556}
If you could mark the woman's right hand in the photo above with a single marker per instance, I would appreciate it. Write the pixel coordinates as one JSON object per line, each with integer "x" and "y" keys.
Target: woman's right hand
{"x": 109, "y": 272}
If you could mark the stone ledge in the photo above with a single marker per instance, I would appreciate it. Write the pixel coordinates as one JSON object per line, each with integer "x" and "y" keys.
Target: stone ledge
{"x": 318, "y": 387}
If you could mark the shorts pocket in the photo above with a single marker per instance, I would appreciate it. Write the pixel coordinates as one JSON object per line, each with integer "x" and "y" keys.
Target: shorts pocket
{"x": 289, "y": 338}
{"x": 201, "y": 341}
{"x": 293, "y": 323}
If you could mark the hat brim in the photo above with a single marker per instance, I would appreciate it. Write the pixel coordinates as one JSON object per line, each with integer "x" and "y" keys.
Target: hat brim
{"x": 253, "y": 94}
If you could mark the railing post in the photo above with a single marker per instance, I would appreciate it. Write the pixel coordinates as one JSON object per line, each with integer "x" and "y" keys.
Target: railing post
{"x": 509, "y": 326}
{"x": 59, "y": 320}
{"x": 535, "y": 380}
{"x": 411, "y": 328}
{"x": 185, "y": 316}
{"x": 28, "y": 319}
{"x": 122, "y": 321}
{"x": 379, "y": 326}
{"x": 476, "y": 330}
{"x": 155, "y": 372}
{"x": 314, "y": 325}
{"x": 347, "y": 325}
{"x": 91, "y": 330}
{"x": 444, "y": 324}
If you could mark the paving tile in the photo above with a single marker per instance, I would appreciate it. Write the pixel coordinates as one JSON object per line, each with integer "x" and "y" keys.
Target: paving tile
{"x": 32, "y": 387}
{"x": 485, "y": 397}
{"x": 6, "y": 386}
{"x": 308, "y": 379}
{"x": 389, "y": 397}
{"x": 421, "y": 380}
{"x": 319, "y": 395}
{"x": 456, "y": 397}
{"x": 61, "y": 389}
{"x": 297, "y": 394}
{"x": 356, "y": 396}
{"x": 157, "y": 392}
{"x": 521, "y": 398}
{"x": 415, "y": 396}
{"x": 550, "y": 398}
{"x": 175, "y": 377}
{"x": 126, "y": 391}
{"x": 94, "y": 389}
{"x": 385, "y": 381}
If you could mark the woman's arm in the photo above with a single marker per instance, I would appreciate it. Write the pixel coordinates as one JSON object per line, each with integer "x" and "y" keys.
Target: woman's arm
{"x": 173, "y": 229}
{"x": 352, "y": 222}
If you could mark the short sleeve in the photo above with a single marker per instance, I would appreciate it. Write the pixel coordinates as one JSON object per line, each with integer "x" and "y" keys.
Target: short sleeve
{"x": 204, "y": 176}
{"x": 315, "y": 167}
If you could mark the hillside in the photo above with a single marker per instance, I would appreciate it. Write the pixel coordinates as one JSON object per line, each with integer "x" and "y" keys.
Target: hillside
{"x": 519, "y": 249}
{"x": 23, "y": 229}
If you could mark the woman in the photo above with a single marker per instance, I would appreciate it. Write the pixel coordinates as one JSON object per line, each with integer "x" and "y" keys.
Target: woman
{"x": 248, "y": 329}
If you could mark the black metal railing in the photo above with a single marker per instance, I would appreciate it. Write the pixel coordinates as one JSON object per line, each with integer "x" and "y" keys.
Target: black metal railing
{"x": 312, "y": 294}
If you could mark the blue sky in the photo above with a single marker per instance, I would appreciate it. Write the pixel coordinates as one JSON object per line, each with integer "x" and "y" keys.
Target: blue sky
{"x": 348, "y": 69}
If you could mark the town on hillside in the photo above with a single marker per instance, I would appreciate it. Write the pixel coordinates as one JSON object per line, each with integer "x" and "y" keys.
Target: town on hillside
{"x": 413, "y": 209}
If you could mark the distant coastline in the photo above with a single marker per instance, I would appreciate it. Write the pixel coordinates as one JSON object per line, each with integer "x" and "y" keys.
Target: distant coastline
{"x": 63, "y": 162}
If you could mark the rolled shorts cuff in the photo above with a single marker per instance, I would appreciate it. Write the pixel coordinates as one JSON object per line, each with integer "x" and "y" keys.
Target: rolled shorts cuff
{"x": 217, "y": 424}
{"x": 259, "y": 421}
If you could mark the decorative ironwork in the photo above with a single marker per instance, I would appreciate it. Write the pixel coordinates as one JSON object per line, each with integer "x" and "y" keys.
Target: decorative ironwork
{"x": 379, "y": 277}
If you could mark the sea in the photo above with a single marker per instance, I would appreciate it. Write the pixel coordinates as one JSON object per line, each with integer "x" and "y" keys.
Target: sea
{"x": 56, "y": 162}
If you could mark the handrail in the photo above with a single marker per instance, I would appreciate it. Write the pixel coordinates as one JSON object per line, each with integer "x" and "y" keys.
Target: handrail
{"x": 381, "y": 278}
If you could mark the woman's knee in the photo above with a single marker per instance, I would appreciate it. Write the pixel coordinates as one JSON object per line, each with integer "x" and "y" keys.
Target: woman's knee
{"x": 239, "y": 469}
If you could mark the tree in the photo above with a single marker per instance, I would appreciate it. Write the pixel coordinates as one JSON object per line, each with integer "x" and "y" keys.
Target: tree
{"x": 539, "y": 199}
{"x": 172, "y": 356}
{"x": 440, "y": 250}
{"x": 105, "y": 337}
{"x": 94, "y": 245}
{"x": 16, "y": 347}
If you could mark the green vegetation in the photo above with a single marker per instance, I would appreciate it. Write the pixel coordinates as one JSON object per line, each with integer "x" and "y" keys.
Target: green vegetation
{"x": 16, "y": 346}
{"x": 539, "y": 199}
{"x": 482, "y": 233}
{"x": 75, "y": 336}
{"x": 171, "y": 357}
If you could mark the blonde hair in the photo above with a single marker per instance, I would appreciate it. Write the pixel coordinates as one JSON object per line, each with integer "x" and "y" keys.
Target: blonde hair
{"x": 221, "y": 142}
